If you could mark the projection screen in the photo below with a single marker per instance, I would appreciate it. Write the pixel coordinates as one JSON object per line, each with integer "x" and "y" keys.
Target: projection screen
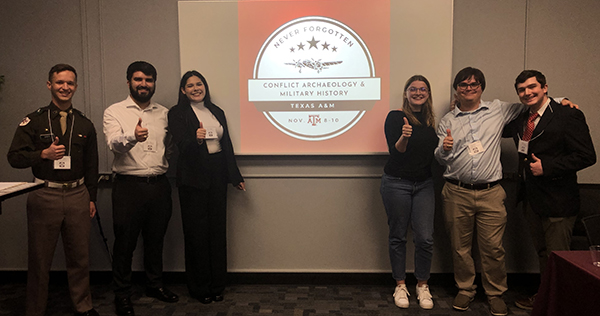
{"x": 315, "y": 76}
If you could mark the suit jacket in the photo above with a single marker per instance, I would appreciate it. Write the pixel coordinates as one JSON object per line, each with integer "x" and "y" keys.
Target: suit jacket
{"x": 562, "y": 141}
{"x": 191, "y": 163}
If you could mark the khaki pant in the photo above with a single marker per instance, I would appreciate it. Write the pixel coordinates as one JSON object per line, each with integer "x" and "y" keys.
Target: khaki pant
{"x": 466, "y": 212}
{"x": 549, "y": 234}
{"x": 51, "y": 212}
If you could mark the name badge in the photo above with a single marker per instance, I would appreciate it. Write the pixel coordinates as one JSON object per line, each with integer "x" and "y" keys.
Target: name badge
{"x": 475, "y": 148}
{"x": 211, "y": 132}
{"x": 149, "y": 146}
{"x": 523, "y": 146}
{"x": 63, "y": 163}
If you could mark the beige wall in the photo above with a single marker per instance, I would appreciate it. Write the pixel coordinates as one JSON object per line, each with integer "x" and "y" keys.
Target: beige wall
{"x": 300, "y": 213}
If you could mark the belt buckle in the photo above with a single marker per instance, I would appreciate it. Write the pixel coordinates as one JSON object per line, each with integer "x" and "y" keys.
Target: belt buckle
{"x": 151, "y": 179}
{"x": 70, "y": 185}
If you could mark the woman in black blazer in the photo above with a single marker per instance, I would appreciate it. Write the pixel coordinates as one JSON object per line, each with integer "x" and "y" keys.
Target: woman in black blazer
{"x": 205, "y": 166}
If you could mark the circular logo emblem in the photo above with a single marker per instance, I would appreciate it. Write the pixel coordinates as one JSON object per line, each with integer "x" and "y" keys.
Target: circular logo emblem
{"x": 314, "y": 79}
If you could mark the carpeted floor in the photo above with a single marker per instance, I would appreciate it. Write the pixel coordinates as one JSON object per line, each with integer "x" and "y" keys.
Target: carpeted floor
{"x": 261, "y": 299}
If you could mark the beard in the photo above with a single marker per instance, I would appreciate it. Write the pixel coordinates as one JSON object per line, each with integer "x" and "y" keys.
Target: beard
{"x": 135, "y": 94}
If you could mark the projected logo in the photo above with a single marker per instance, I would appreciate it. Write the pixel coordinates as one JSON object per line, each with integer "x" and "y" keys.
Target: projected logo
{"x": 314, "y": 79}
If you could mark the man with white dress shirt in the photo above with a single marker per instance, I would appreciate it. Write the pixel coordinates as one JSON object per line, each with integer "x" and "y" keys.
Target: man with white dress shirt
{"x": 136, "y": 133}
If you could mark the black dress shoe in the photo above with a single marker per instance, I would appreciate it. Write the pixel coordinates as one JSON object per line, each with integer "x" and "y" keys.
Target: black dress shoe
{"x": 91, "y": 312}
{"x": 163, "y": 294}
{"x": 123, "y": 306}
{"x": 203, "y": 299}
{"x": 218, "y": 297}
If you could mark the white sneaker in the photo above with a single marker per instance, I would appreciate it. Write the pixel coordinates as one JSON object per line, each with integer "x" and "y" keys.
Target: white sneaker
{"x": 401, "y": 296}
{"x": 424, "y": 297}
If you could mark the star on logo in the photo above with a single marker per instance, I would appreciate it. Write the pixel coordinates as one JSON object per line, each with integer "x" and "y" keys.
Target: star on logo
{"x": 325, "y": 46}
{"x": 292, "y": 49}
{"x": 300, "y": 46}
{"x": 313, "y": 43}
{"x": 334, "y": 49}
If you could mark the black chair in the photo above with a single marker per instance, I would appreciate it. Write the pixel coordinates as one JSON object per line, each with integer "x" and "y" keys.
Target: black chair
{"x": 592, "y": 228}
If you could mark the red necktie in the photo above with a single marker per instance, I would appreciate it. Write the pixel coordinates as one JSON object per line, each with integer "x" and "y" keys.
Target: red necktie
{"x": 530, "y": 126}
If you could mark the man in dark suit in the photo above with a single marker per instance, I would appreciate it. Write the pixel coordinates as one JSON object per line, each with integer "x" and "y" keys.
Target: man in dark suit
{"x": 554, "y": 143}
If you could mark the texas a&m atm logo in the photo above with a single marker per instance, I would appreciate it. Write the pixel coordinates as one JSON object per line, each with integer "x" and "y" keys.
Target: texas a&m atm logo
{"x": 314, "y": 78}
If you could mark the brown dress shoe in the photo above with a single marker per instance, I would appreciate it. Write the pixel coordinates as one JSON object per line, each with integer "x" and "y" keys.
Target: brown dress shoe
{"x": 497, "y": 306}
{"x": 526, "y": 303}
{"x": 462, "y": 302}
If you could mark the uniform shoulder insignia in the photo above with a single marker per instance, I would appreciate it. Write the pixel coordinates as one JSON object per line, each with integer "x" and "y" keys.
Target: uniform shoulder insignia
{"x": 38, "y": 112}
{"x": 25, "y": 121}
{"x": 78, "y": 112}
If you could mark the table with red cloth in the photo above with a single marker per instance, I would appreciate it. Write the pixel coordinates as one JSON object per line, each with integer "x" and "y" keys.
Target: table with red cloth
{"x": 570, "y": 285}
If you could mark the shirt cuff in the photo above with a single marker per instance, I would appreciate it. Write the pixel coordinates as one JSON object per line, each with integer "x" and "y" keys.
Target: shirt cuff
{"x": 131, "y": 137}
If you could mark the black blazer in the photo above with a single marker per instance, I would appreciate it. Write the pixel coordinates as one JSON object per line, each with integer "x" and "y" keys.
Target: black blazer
{"x": 191, "y": 164}
{"x": 562, "y": 141}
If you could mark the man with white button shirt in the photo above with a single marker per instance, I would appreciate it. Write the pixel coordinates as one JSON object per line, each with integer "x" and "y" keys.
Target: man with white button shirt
{"x": 136, "y": 132}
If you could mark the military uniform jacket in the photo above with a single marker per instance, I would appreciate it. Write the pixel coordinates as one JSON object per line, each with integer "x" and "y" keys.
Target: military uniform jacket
{"x": 37, "y": 132}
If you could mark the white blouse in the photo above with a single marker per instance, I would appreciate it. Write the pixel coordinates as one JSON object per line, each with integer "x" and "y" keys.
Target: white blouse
{"x": 209, "y": 122}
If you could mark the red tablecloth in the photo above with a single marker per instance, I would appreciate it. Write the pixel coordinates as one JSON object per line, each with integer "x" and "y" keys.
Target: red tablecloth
{"x": 570, "y": 286}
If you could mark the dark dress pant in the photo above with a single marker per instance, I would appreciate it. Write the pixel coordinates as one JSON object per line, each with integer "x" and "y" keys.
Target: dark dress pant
{"x": 203, "y": 213}
{"x": 139, "y": 206}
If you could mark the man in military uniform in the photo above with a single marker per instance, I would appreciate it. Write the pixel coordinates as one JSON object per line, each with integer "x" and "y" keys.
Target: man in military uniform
{"x": 59, "y": 144}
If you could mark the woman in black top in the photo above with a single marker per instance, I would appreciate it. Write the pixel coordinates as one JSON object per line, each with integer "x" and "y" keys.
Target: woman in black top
{"x": 407, "y": 187}
{"x": 205, "y": 166}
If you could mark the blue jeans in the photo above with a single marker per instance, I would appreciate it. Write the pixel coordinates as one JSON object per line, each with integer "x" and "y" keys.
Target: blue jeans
{"x": 411, "y": 202}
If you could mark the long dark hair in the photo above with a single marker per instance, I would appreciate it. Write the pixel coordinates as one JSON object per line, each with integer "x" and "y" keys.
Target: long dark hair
{"x": 427, "y": 108}
{"x": 183, "y": 99}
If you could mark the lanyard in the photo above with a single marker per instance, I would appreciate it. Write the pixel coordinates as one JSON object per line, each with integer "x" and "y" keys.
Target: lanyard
{"x": 71, "y": 135}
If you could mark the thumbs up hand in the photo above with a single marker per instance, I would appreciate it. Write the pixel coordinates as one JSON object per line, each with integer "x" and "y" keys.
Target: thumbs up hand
{"x": 536, "y": 166}
{"x": 406, "y": 129}
{"x": 200, "y": 133}
{"x": 54, "y": 152}
{"x": 402, "y": 142}
{"x": 448, "y": 141}
{"x": 141, "y": 133}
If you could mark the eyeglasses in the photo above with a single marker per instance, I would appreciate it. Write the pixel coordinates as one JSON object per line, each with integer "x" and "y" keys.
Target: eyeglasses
{"x": 414, "y": 89}
{"x": 473, "y": 85}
